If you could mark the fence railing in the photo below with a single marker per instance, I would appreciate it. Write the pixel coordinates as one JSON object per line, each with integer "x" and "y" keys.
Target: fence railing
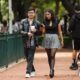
{"x": 11, "y": 49}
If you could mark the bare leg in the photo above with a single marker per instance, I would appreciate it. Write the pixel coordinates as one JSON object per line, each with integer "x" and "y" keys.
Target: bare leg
{"x": 74, "y": 65}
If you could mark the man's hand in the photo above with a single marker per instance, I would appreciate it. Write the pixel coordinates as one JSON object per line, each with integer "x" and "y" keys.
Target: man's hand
{"x": 30, "y": 34}
{"x": 33, "y": 29}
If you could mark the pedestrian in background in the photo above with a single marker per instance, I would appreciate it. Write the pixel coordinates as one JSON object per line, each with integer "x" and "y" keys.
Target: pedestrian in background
{"x": 74, "y": 29}
{"x": 4, "y": 28}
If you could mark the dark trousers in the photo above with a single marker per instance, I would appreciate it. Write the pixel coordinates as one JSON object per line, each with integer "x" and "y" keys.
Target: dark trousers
{"x": 29, "y": 55}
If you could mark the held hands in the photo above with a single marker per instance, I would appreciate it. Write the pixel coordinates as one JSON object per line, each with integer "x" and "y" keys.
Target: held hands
{"x": 43, "y": 25}
{"x": 42, "y": 28}
{"x": 33, "y": 30}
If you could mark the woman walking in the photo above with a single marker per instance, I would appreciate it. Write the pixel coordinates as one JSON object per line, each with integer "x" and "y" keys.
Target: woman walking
{"x": 51, "y": 40}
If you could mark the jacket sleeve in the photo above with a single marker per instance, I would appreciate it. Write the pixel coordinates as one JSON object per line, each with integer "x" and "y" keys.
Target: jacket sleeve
{"x": 22, "y": 31}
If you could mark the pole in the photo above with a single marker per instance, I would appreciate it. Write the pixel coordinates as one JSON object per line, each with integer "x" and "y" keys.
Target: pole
{"x": 10, "y": 16}
{"x": 0, "y": 12}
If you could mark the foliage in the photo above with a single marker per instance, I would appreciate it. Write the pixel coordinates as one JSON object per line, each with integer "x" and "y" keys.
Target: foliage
{"x": 4, "y": 8}
{"x": 20, "y": 6}
{"x": 62, "y": 11}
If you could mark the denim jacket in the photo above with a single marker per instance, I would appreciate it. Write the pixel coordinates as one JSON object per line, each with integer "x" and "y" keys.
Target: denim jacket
{"x": 25, "y": 27}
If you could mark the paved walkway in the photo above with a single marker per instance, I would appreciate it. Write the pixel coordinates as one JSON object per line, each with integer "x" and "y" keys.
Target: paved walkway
{"x": 62, "y": 71}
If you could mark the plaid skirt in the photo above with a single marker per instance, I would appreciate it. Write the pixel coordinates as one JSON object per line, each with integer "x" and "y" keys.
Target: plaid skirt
{"x": 51, "y": 41}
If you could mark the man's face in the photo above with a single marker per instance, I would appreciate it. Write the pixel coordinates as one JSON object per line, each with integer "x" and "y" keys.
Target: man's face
{"x": 31, "y": 14}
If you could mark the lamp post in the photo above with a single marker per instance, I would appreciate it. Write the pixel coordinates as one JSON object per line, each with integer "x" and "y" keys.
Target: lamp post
{"x": 0, "y": 12}
{"x": 10, "y": 16}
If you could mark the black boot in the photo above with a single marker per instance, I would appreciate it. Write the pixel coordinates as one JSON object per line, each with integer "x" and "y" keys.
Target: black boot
{"x": 74, "y": 65}
{"x": 51, "y": 73}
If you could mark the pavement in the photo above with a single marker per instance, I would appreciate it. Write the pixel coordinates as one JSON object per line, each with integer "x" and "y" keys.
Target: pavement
{"x": 62, "y": 71}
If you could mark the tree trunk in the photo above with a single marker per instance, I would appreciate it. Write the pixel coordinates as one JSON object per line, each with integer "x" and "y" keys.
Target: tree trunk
{"x": 68, "y": 6}
{"x": 57, "y": 7}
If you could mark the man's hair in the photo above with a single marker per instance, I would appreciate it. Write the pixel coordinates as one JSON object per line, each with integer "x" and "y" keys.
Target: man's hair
{"x": 31, "y": 9}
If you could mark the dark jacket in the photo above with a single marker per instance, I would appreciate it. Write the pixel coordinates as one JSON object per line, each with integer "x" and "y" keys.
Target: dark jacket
{"x": 25, "y": 27}
{"x": 74, "y": 27}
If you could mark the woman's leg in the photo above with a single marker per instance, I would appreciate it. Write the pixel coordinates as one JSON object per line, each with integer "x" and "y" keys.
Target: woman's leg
{"x": 53, "y": 53}
{"x": 49, "y": 58}
{"x": 52, "y": 57}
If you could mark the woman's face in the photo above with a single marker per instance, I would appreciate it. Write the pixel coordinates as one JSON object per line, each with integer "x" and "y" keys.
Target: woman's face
{"x": 47, "y": 15}
{"x": 31, "y": 14}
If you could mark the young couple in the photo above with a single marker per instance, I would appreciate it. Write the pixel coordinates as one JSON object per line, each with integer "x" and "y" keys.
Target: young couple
{"x": 31, "y": 28}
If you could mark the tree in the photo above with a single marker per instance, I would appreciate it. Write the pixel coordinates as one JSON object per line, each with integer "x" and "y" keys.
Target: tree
{"x": 57, "y": 6}
{"x": 70, "y": 5}
{"x": 21, "y": 6}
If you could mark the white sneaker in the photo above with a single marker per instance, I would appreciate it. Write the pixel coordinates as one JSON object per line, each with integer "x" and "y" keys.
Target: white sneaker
{"x": 27, "y": 75}
{"x": 33, "y": 74}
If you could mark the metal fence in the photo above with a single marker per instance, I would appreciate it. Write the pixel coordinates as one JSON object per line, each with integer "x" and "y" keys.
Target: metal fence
{"x": 11, "y": 49}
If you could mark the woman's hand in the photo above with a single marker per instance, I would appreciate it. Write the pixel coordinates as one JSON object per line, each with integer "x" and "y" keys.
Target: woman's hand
{"x": 43, "y": 25}
{"x": 62, "y": 43}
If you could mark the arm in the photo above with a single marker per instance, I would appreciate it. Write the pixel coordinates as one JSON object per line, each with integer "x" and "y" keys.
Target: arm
{"x": 22, "y": 31}
{"x": 2, "y": 30}
{"x": 61, "y": 35}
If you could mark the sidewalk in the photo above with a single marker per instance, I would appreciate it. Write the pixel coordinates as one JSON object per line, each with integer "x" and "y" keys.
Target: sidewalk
{"x": 62, "y": 71}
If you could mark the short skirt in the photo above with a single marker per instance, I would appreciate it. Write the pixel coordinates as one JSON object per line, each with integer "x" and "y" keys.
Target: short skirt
{"x": 51, "y": 41}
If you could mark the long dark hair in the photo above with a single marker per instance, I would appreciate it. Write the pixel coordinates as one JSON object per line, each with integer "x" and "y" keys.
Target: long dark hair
{"x": 53, "y": 16}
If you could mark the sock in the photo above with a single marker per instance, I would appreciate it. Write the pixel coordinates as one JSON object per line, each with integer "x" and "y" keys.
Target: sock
{"x": 74, "y": 61}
